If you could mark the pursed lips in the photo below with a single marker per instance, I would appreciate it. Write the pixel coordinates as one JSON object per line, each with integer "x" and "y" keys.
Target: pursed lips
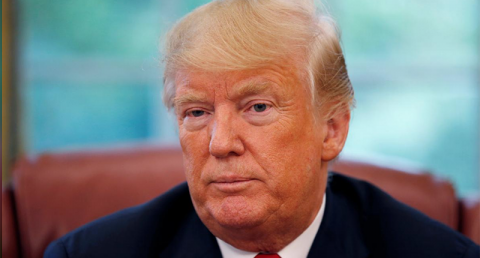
{"x": 231, "y": 184}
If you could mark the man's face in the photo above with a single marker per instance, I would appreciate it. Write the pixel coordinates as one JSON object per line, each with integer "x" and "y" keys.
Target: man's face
{"x": 252, "y": 149}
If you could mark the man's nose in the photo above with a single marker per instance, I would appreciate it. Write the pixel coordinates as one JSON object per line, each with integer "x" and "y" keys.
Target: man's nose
{"x": 224, "y": 137}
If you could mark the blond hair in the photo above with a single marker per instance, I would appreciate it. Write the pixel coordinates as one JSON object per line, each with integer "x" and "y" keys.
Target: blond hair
{"x": 226, "y": 35}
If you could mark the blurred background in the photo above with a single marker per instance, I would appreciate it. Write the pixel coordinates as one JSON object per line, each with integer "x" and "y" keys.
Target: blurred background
{"x": 87, "y": 73}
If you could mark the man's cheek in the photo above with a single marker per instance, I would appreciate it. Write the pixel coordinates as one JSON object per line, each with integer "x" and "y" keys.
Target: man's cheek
{"x": 191, "y": 142}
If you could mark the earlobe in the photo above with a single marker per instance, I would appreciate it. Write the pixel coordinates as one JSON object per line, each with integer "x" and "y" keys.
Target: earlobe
{"x": 336, "y": 135}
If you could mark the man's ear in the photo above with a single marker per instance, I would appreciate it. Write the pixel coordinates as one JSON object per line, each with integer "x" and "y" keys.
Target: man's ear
{"x": 336, "y": 135}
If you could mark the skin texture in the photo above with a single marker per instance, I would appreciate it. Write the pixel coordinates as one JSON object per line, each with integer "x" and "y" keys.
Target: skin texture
{"x": 255, "y": 155}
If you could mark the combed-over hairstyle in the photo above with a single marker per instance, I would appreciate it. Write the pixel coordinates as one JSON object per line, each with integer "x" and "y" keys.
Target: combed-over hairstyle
{"x": 228, "y": 35}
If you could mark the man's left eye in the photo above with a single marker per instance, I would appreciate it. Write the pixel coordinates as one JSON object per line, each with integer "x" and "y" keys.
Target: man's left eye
{"x": 260, "y": 107}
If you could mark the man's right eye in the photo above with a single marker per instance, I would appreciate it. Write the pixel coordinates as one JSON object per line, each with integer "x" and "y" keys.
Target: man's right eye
{"x": 196, "y": 113}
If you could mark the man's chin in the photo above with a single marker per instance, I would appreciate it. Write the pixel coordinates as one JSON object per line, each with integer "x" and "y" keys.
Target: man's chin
{"x": 238, "y": 212}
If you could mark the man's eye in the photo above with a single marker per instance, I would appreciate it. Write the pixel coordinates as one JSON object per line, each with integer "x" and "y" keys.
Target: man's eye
{"x": 260, "y": 107}
{"x": 196, "y": 113}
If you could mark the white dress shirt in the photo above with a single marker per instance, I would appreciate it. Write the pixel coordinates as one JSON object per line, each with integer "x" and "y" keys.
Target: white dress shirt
{"x": 298, "y": 248}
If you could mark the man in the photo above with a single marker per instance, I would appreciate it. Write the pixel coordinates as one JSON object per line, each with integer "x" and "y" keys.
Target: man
{"x": 262, "y": 100}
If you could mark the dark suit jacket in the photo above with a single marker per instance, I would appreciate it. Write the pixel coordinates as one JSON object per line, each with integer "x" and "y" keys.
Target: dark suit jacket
{"x": 359, "y": 221}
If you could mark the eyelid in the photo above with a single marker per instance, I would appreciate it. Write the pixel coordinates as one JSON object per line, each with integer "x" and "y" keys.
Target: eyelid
{"x": 190, "y": 110}
{"x": 265, "y": 98}
{"x": 251, "y": 104}
{"x": 186, "y": 107}
{"x": 265, "y": 117}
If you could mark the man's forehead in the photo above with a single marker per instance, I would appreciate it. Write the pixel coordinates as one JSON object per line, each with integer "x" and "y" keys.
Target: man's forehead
{"x": 190, "y": 92}
{"x": 233, "y": 83}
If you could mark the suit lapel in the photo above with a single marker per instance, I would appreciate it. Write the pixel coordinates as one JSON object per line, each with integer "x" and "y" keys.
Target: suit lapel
{"x": 193, "y": 239}
{"x": 340, "y": 233}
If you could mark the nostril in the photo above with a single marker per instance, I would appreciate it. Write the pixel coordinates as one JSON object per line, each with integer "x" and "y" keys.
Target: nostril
{"x": 225, "y": 144}
{"x": 218, "y": 149}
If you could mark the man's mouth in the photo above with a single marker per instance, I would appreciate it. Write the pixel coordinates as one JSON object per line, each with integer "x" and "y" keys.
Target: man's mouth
{"x": 232, "y": 184}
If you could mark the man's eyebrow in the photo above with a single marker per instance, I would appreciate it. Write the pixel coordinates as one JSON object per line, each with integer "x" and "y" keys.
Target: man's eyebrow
{"x": 247, "y": 89}
{"x": 189, "y": 98}
{"x": 251, "y": 88}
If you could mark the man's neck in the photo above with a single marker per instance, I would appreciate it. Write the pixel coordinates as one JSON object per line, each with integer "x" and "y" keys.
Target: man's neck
{"x": 299, "y": 247}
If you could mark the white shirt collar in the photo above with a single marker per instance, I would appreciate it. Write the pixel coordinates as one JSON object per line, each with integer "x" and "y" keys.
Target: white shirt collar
{"x": 298, "y": 248}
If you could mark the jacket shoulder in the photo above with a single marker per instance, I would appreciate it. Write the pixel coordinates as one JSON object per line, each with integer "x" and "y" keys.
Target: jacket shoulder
{"x": 393, "y": 229}
{"x": 133, "y": 232}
